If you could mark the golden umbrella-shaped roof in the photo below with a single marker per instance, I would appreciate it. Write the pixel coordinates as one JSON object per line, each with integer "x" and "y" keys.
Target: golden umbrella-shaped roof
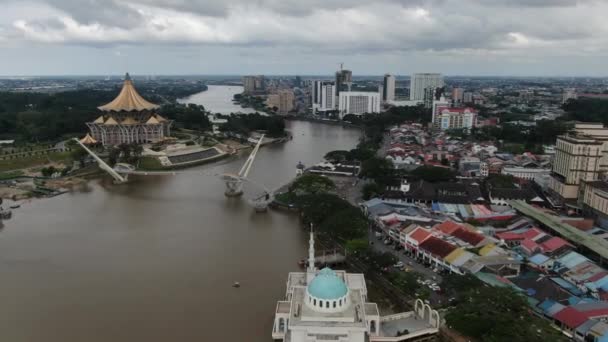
{"x": 128, "y": 100}
{"x": 88, "y": 140}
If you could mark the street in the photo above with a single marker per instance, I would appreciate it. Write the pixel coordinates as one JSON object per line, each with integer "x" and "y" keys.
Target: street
{"x": 412, "y": 264}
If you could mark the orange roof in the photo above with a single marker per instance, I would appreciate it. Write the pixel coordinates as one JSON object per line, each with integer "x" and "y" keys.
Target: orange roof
{"x": 420, "y": 234}
{"x": 448, "y": 227}
{"x": 128, "y": 100}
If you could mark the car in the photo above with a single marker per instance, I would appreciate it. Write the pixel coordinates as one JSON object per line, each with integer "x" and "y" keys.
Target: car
{"x": 398, "y": 265}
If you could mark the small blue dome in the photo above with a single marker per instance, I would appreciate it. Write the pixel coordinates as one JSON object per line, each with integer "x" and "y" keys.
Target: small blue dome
{"x": 327, "y": 285}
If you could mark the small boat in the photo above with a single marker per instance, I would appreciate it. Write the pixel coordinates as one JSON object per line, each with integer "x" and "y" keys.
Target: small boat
{"x": 15, "y": 206}
{"x": 236, "y": 284}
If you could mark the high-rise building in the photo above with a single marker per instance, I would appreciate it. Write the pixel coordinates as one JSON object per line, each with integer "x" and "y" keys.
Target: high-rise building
{"x": 420, "y": 83}
{"x": 467, "y": 97}
{"x": 344, "y": 80}
{"x": 323, "y": 96}
{"x": 358, "y": 102}
{"x": 580, "y": 156}
{"x": 253, "y": 84}
{"x": 457, "y": 96}
{"x": 446, "y": 117}
{"x": 430, "y": 95}
{"x": 437, "y": 104}
{"x": 388, "y": 88}
{"x": 456, "y": 118}
{"x": 283, "y": 101}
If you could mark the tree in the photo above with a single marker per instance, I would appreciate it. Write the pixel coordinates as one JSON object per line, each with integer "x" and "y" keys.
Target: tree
{"x": 379, "y": 169}
{"x": 501, "y": 181}
{"x": 48, "y": 171}
{"x": 79, "y": 154}
{"x": 311, "y": 183}
{"x": 383, "y": 260}
{"x": 405, "y": 281}
{"x": 357, "y": 246}
{"x": 113, "y": 155}
{"x": 433, "y": 174}
{"x": 498, "y": 314}
{"x": 371, "y": 190}
{"x": 346, "y": 224}
{"x": 338, "y": 156}
{"x": 318, "y": 207}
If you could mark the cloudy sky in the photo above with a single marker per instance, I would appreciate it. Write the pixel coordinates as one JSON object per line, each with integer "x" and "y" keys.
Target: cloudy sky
{"x": 309, "y": 37}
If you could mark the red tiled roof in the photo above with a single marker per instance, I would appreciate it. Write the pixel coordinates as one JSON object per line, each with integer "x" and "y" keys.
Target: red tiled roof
{"x": 530, "y": 245}
{"x": 468, "y": 236}
{"x": 597, "y": 276}
{"x": 437, "y": 247}
{"x": 448, "y": 227}
{"x": 390, "y": 221}
{"x": 553, "y": 244}
{"x": 574, "y": 316}
{"x": 570, "y": 317}
{"x": 509, "y": 236}
{"x": 420, "y": 235}
{"x": 533, "y": 233}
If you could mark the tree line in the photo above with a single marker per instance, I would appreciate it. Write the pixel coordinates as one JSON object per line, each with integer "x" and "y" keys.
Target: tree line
{"x": 42, "y": 117}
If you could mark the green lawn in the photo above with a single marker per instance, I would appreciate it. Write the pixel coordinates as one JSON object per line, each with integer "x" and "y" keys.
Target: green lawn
{"x": 30, "y": 161}
{"x": 10, "y": 174}
{"x": 149, "y": 163}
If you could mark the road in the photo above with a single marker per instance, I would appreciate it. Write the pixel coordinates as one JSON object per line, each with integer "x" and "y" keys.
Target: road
{"x": 379, "y": 246}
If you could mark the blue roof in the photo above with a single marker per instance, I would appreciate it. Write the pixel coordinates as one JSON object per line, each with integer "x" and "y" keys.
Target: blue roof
{"x": 546, "y": 304}
{"x": 573, "y": 300}
{"x": 555, "y": 308}
{"x": 327, "y": 285}
{"x": 572, "y": 259}
{"x": 539, "y": 259}
{"x": 566, "y": 285}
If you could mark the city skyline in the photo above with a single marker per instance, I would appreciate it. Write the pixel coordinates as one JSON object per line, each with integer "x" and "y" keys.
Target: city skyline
{"x": 498, "y": 38}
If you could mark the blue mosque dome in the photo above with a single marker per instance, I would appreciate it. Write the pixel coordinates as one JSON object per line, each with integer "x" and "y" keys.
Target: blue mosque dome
{"x": 327, "y": 285}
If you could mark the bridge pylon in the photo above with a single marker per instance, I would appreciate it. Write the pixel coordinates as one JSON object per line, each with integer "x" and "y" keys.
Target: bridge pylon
{"x": 234, "y": 183}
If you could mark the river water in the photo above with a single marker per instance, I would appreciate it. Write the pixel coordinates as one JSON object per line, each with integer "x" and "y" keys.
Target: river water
{"x": 155, "y": 259}
{"x": 218, "y": 99}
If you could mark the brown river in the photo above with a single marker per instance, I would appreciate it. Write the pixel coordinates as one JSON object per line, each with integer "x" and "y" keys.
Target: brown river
{"x": 155, "y": 259}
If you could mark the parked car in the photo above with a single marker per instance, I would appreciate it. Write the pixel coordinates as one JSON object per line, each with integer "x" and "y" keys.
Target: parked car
{"x": 398, "y": 265}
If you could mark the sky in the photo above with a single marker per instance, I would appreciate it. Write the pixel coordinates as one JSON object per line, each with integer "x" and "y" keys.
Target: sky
{"x": 306, "y": 37}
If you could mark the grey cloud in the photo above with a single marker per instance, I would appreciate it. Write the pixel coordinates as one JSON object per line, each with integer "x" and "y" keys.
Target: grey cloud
{"x": 330, "y": 26}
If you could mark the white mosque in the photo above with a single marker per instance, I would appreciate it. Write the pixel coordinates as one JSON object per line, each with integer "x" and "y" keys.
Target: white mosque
{"x": 328, "y": 305}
